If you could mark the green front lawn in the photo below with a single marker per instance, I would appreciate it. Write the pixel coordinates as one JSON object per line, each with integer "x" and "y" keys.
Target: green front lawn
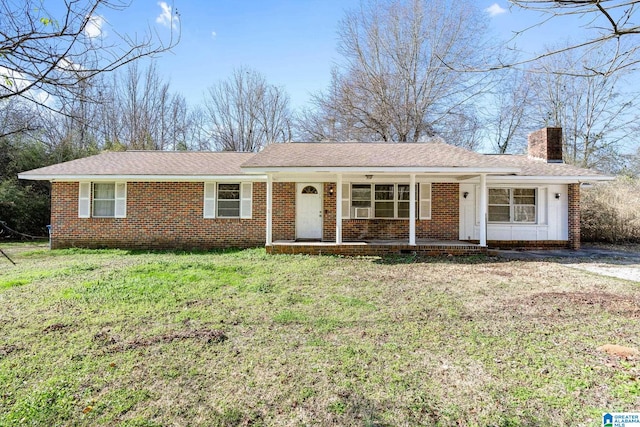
{"x": 242, "y": 338}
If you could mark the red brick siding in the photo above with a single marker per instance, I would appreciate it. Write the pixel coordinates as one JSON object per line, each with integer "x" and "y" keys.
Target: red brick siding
{"x": 443, "y": 225}
{"x": 159, "y": 215}
{"x": 284, "y": 211}
{"x": 574, "y": 216}
{"x": 546, "y": 144}
{"x": 329, "y": 216}
{"x": 377, "y": 250}
{"x": 169, "y": 215}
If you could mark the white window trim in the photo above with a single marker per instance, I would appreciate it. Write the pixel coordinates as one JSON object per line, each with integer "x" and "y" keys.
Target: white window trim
{"x": 512, "y": 205}
{"x": 239, "y": 199}
{"x": 120, "y": 209}
{"x": 346, "y": 200}
{"x": 85, "y": 200}
{"x": 210, "y": 200}
{"x": 372, "y": 206}
{"x": 424, "y": 199}
{"x": 246, "y": 200}
{"x": 209, "y": 205}
{"x": 351, "y": 207}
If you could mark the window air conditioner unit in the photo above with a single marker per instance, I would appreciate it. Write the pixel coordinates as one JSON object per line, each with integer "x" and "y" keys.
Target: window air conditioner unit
{"x": 362, "y": 212}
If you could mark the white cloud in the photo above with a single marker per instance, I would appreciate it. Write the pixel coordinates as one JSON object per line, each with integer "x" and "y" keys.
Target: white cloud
{"x": 43, "y": 98}
{"x": 213, "y": 34}
{"x": 15, "y": 81}
{"x": 66, "y": 64}
{"x": 495, "y": 9}
{"x": 12, "y": 80}
{"x": 94, "y": 26}
{"x": 166, "y": 18}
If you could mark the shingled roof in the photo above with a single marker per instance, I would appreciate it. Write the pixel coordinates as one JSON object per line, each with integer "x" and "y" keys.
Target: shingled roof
{"x": 357, "y": 154}
{"x": 423, "y": 158}
{"x": 537, "y": 167}
{"x": 147, "y": 163}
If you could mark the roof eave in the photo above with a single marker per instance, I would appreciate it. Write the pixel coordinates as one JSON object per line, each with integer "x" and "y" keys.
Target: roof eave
{"x": 139, "y": 178}
{"x": 379, "y": 169}
{"x": 557, "y": 179}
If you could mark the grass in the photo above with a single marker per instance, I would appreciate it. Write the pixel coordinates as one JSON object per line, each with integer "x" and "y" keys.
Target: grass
{"x": 241, "y": 338}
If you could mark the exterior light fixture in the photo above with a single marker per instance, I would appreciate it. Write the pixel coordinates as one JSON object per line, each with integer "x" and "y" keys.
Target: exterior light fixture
{"x": 557, "y": 195}
{"x": 465, "y": 194}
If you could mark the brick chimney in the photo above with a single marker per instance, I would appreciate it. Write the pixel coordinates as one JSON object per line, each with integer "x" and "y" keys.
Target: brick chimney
{"x": 546, "y": 144}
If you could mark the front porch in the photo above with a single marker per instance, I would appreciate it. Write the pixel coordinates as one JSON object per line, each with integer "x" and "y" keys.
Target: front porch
{"x": 368, "y": 215}
{"x": 425, "y": 247}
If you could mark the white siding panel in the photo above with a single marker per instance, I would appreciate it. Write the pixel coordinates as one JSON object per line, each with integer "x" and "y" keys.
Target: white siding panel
{"x": 121, "y": 200}
{"x": 84, "y": 200}
{"x": 346, "y": 201}
{"x": 425, "y": 201}
{"x": 552, "y": 217}
{"x": 246, "y": 191}
{"x": 467, "y": 212}
{"x": 209, "y": 208}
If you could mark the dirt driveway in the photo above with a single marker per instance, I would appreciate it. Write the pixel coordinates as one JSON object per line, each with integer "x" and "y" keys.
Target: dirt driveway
{"x": 623, "y": 262}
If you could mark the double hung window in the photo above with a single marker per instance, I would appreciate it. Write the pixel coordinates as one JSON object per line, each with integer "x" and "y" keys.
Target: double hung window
{"x": 512, "y": 205}
{"x": 102, "y": 200}
{"x": 388, "y": 200}
{"x": 228, "y": 200}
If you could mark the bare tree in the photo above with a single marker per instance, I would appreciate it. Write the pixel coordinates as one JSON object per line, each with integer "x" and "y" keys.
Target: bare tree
{"x": 198, "y": 135}
{"x": 71, "y": 129}
{"x": 632, "y": 166}
{"x": 48, "y": 54}
{"x": 325, "y": 122}
{"x": 611, "y": 24}
{"x": 17, "y": 117}
{"x": 143, "y": 102}
{"x": 245, "y": 113}
{"x": 595, "y": 112}
{"x": 177, "y": 124}
{"x": 508, "y": 112}
{"x": 134, "y": 109}
{"x": 393, "y": 84}
{"x": 143, "y": 114}
{"x": 463, "y": 128}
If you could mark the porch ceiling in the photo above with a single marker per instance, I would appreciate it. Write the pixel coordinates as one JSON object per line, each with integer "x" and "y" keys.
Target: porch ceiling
{"x": 377, "y": 176}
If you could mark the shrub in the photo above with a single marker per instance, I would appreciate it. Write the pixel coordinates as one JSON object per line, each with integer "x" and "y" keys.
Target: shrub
{"x": 24, "y": 207}
{"x": 610, "y": 212}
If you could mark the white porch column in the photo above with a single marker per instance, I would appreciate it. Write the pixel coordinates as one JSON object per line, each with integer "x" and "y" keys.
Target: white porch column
{"x": 269, "y": 237}
{"x": 412, "y": 209}
{"x": 339, "y": 209}
{"x": 483, "y": 209}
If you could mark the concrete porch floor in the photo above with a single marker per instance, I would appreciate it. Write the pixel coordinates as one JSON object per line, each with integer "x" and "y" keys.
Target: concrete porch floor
{"x": 426, "y": 247}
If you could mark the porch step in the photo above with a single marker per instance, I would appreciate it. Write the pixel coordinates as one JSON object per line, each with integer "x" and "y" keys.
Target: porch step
{"x": 372, "y": 249}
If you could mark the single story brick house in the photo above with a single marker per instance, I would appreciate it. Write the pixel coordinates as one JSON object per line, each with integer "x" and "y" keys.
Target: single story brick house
{"x": 345, "y": 198}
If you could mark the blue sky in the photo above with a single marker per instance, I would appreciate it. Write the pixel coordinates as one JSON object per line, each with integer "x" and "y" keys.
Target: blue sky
{"x": 291, "y": 42}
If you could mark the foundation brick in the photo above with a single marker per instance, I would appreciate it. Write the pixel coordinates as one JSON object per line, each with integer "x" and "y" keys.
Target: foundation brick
{"x": 160, "y": 215}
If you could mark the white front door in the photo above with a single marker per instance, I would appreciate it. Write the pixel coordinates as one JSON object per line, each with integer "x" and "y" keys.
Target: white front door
{"x": 308, "y": 211}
